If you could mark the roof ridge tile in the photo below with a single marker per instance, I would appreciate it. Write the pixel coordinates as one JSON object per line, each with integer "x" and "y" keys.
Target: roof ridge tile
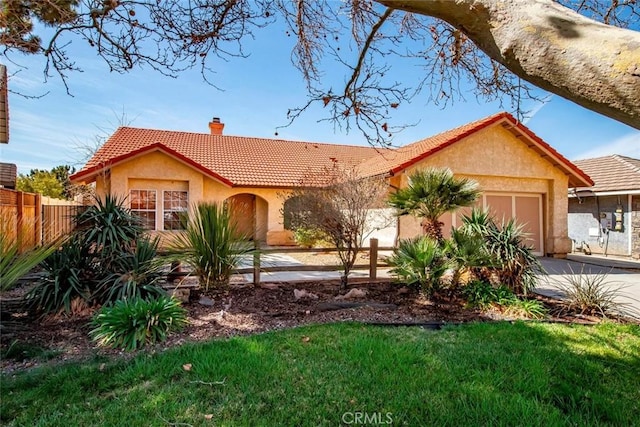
{"x": 624, "y": 159}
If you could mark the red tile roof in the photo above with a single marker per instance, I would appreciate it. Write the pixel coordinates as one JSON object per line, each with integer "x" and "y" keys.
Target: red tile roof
{"x": 236, "y": 161}
{"x": 244, "y": 161}
{"x": 612, "y": 173}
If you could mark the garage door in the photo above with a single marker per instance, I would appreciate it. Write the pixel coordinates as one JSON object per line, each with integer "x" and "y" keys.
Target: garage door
{"x": 526, "y": 208}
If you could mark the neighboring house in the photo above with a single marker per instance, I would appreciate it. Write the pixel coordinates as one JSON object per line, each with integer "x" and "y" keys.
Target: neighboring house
{"x": 163, "y": 172}
{"x": 8, "y": 171}
{"x": 605, "y": 218}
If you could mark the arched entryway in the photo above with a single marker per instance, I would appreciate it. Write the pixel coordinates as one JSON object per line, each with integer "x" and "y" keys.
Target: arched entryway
{"x": 250, "y": 212}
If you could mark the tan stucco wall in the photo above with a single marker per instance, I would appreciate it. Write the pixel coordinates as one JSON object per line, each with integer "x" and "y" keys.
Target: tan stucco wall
{"x": 502, "y": 164}
{"x": 159, "y": 171}
{"x": 494, "y": 157}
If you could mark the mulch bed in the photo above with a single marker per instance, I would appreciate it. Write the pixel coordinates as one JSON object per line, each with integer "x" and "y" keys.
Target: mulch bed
{"x": 245, "y": 309}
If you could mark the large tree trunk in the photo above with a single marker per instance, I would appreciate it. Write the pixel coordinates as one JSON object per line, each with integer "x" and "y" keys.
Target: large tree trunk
{"x": 592, "y": 64}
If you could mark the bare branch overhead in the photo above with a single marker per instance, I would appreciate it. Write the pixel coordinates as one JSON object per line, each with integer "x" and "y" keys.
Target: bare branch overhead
{"x": 587, "y": 51}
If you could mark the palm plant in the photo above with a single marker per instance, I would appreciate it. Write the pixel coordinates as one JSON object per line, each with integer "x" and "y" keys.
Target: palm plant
{"x": 468, "y": 253}
{"x": 420, "y": 262}
{"x": 211, "y": 244}
{"x": 432, "y": 193}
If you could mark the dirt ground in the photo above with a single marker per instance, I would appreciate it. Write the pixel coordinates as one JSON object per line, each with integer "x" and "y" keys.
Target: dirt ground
{"x": 245, "y": 309}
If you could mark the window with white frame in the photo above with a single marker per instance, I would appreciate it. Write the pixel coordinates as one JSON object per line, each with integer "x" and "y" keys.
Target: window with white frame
{"x": 175, "y": 206}
{"x": 143, "y": 204}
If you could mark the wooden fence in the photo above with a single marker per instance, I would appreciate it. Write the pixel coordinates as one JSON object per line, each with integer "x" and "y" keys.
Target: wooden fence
{"x": 57, "y": 221}
{"x": 372, "y": 266}
{"x": 23, "y": 218}
{"x": 258, "y": 268}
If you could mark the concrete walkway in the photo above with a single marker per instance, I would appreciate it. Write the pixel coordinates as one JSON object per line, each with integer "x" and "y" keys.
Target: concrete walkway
{"x": 282, "y": 260}
{"x": 625, "y": 263}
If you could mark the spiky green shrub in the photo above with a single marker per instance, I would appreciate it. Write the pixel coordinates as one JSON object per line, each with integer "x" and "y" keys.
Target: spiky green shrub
{"x": 590, "y": 293}
{"x": 70, "y": 275}
{"x": 15, "y": 264}
{"x": 211, "y": 244}
{"x": 419, "y": 262}
{"x": 468, "y": 253}
{"x": 132, "y": 323}
{"x": 108, "y": 228}
{"x": 135, "y": 275}
{"x": 516, "y": 265}
{"x": 104, "y": 259}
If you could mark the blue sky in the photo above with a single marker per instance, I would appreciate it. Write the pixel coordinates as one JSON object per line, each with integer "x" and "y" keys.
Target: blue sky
{"x": 256, "y": 93}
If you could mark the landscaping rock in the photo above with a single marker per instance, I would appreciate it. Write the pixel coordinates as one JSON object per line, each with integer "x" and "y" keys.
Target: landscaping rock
{"x": 404, "y": 290}
{"x": 270, "y": 286}
{"x": 206, "y": 302}
{"x": 353, "y": 294}
{"x": 303, "y": 294}
{"x": 181, "y": 294}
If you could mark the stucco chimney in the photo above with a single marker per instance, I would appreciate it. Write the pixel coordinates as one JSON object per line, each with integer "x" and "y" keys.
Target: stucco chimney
{"x": 216, "y": 126}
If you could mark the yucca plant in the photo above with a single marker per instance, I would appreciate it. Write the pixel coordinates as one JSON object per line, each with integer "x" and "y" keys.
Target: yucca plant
{"x": 518, "y": 263}
{"x": 135, "y": 275}
{"x": 132, "y": 323}
{"x": 211, "y": 245}
{"x": 108, "y": 228}
{"x": 70, "y": 273}
{"x": 517, "y": 266}
{"x": 103, "y": 250}
{"x": 15, "y": 264}
{"x": 590, "y": 293}
{"x": 419, "y": 262}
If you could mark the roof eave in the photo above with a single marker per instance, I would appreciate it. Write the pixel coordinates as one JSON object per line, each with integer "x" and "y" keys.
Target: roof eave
{"x": 452, "y": 141}
{"x": 576, "y": 176}
{"x": 89, "y": 175}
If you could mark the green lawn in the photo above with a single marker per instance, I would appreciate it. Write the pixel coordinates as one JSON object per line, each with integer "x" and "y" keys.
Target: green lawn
{"x": 478, "y": 374}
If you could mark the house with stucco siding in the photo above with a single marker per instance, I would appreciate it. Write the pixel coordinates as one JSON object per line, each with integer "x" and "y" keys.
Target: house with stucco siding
{"x": 605, "y": 218}
{"x": 164, "y": 172}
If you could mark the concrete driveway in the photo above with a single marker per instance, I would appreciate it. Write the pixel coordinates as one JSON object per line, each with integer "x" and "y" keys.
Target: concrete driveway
{"x": 624, "y": 276}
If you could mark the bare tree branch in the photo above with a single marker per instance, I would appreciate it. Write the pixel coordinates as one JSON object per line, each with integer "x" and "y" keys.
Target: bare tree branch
{"x": 503, "y": 48}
